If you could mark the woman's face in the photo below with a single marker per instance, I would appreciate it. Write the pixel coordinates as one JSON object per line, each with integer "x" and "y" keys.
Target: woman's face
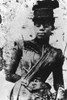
{"x": 42, "y": 30}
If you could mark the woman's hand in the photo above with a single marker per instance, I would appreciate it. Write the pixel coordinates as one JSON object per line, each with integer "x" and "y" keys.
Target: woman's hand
{"x": 25, "y": 82}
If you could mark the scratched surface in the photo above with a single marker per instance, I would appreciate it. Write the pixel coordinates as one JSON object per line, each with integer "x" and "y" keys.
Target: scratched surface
{"x": 15, "y": 23}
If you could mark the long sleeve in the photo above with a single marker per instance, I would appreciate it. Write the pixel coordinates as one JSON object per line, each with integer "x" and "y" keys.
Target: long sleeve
{"x": 13, "y": 52}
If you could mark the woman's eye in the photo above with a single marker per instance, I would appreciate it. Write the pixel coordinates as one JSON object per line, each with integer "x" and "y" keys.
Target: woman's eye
{"x": 46, "y": 26}
{"x": 38, "y": 25}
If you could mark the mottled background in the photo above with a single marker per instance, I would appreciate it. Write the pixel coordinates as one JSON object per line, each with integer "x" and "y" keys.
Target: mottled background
{"x": 15, "y": 22}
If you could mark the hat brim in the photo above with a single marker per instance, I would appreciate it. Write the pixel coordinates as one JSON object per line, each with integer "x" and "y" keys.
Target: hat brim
{"x": 44, "y": 20}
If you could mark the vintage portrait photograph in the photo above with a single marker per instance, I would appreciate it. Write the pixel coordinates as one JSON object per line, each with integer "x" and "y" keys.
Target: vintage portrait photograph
{"x": 33, "y": 49}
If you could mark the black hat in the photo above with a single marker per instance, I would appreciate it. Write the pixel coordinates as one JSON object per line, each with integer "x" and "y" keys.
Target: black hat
{"x": 44, "y": 10}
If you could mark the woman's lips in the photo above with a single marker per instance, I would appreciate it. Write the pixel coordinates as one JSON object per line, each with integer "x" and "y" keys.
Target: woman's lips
{"x": 40, "y": 34}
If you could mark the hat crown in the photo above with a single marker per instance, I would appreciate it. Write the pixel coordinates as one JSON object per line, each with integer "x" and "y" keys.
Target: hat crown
{"x": 44, "y": 9}
{"x": 46, "y": 4}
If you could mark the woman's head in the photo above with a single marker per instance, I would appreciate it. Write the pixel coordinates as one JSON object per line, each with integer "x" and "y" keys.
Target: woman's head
{"x": 43, "y": 16}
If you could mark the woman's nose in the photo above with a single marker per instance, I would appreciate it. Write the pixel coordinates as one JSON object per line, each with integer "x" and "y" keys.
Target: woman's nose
{"x": 41, "y": 27}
